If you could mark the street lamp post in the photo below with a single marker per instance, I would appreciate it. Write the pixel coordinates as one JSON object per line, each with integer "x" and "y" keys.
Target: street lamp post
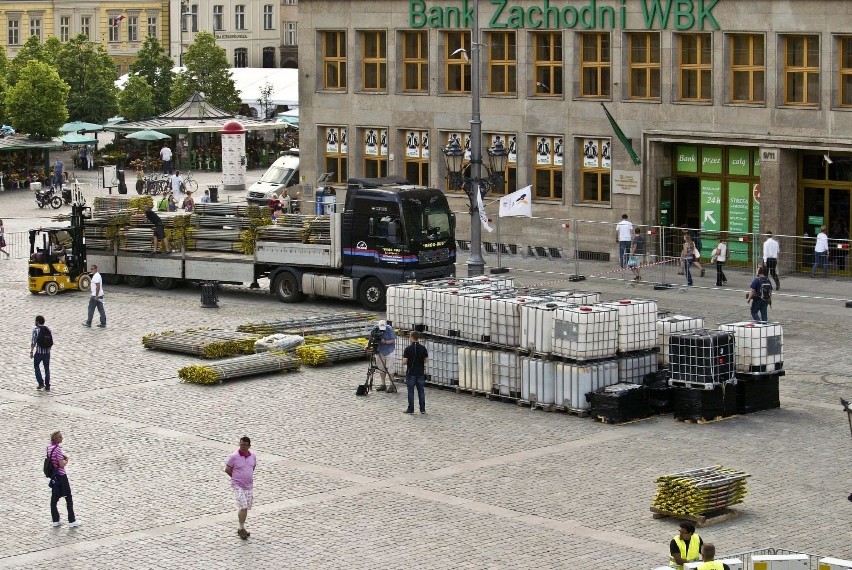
{"x": 454, "y": 155}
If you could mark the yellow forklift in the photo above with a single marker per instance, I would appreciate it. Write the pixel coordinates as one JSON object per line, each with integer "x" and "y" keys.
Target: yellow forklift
{"x": 58, "y": 256}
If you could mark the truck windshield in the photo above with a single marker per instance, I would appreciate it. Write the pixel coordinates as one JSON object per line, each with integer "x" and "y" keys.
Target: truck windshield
{"x": 426, "y": 223}
{"x": 277, "y": 175}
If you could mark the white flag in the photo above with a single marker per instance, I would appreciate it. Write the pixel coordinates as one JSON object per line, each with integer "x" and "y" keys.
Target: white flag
{"x": 517, "y": 203}
{"x": 482, "y": 215}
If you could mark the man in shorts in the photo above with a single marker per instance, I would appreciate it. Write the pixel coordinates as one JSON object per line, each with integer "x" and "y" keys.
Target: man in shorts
{"x": 159, "y": 230}
{"x": 384, "y": 356}
{"x": 240, "y": 468}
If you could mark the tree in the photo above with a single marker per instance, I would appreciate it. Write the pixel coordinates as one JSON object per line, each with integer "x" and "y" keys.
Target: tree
{"x": 31, "y": 50}
{"x": 265, "y": 100}
{"x": 155, "y": 65}
{"x": 4, "y": 64}
{"x": 36, "y": 104}
{"x": 137, "y": 99}
{"x": 52, "y": 50}
{"x": 90, "y": 72}
{"x": 207, "y": 72}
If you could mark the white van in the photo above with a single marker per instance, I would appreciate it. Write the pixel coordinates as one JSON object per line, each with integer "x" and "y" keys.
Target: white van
{"x": 283, "y": 174}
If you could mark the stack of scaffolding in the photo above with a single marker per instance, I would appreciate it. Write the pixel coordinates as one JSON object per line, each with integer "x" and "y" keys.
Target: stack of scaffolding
{"x": 700, "y": 491}
{"x": 239, "y": 367}
{"x": 298, "y": 228}
{"x": 299, "y": 326}
{"x": 202, "y": 342}
{"x": 330, "y": 352}
{"x": 136, "y": 234}
{"x": 226, "y": 227}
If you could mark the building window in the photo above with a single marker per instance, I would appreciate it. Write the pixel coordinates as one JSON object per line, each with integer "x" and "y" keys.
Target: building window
{"x": 549, "y": 160}
{"x": 152, "y": 26}
{"x": 595, "y": 65}
{"x": 133, "y": 28}
{"x": 114, "y": 33}
{"x": 241, "y": 57}
{"x": 696, "y": 67}
{"x": 748, "y": 68}
{"x": 548, "y": 64}
{"x": 86, "y": 26}
{"x": 415, "y": 62}
{"x": 801, "y": 70}
{"x": 375, "y": 152}
{"x": 457, "y": 62}
{"x": 14, "y": 32}
{"x": 290, "y": 33}
{"x": 291, "y": 2}
{"x": 845, "y": 80}
{"x": 35, "y": 27}
{"x": 644, "y": 65}
{"x": 502, "y": 63}
{"x": 193, "y": 17}
{"x": 334, "y": 60}
{"x": 269, "y": 57}
{"x": 375, "y": 62}
{"x": 417, "y": 157}
{"x": 218, "y": 18}
{"x": 336, "y": 154}
{"x": 64, "y": 28}
{"x": 463, "y": 140}
{"x": 595, "y": 171}
{"x": 267, "y": 17}
{"x": 510, "y": 177}
{"x": 240, "y": 17}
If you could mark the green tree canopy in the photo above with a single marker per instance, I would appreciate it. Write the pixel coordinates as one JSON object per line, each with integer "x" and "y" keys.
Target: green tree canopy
{"x": 4, "y": 63}
{"x": 90, "y": 72}
{"x": 36, "y": 104}
{"x": 31, "y": 50}
{"x": 207, "y": 72}
{"x": 52, "y": 49}
{"x": 137, "y": 99}
{"x": 155, "y": 65}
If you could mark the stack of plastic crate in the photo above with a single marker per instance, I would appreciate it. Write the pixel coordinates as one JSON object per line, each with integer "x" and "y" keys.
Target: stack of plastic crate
{"x": 759, "y": 359}
{"x": 702, "y": 372}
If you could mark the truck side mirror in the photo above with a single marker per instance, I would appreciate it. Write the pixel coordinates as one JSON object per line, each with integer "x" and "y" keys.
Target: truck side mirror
{"x": 371, "y": 227}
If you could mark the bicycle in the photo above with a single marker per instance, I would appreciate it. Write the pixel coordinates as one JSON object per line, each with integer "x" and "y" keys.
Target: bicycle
{"x": 189, "y": 183}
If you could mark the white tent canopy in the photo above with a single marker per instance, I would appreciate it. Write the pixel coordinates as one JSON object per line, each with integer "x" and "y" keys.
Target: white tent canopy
{"x": 250, "y": 80}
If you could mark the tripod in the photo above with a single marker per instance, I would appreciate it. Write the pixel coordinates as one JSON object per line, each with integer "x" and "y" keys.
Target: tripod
{"x": 374, "y": 368}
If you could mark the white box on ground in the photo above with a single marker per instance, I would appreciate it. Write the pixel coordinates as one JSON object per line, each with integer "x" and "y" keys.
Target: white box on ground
{"x": 780, "y": 562}
{"x": 733, "y": 564}
{"x": 834, "y": 564}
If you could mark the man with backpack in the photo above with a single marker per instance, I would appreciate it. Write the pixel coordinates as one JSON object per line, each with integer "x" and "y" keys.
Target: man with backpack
{"x": 42, "y": 341}
{"x": 760, "y": 295}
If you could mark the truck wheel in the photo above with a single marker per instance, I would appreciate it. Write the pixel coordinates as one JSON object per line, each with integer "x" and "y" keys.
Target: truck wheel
{"x": 51, "y": 288}
{"x": 84, "y": 283}
{"x": 372, "y": 294}
{"x": 164, "y": 283}
{"x": 137, "y": 281}
{"x": 287, "y": 289}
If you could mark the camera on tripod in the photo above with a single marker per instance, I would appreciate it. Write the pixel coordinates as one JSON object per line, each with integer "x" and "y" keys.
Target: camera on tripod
{"x": 375, "y": 339}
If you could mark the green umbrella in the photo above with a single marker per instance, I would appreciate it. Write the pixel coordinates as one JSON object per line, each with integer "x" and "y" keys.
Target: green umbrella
{"x": 74, "y": 138}
{"x": 80, "y": 127}
{"x": 148, "y": 135}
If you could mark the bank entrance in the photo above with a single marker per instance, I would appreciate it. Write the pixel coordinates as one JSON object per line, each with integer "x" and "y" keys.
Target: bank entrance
{"x": 825, "y": 199}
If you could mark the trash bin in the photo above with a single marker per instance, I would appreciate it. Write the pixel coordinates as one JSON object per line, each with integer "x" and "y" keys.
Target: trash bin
{"x": 214, "y": 192}
{"x": 122, "y": 186}
{"x": 209, "y": 297}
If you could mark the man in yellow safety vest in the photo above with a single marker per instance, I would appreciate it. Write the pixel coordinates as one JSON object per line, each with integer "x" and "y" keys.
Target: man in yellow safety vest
{"x": 685, "y": 546}
{"x": 708, "y": 555}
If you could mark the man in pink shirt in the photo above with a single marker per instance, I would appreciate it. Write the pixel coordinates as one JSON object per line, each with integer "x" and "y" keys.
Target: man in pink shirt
{"x": 240, "y": 468}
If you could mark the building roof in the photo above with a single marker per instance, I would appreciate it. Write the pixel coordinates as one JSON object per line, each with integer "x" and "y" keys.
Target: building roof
{"x": 21, "y": 142}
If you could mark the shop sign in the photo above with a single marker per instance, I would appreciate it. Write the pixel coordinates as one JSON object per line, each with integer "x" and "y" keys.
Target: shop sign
{"x": 625, "y": 182}
{"x": 687, "y": 159}
{"x": 711, "y": 205}
{"x": 738, "y": 161}
{"x": 711, "y": 160}
{"x": 769, "y": 155}
{"x": 739, "y": 204}
{"x": 680, "y": 15}
{"x": 816, "y": 220}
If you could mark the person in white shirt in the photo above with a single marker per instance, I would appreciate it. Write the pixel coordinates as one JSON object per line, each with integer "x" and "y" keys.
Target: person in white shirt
{"x": 96, "y": 301}
{"x": 166, "y": 157}
{"x": 821, "y": 253}
{"x": 177, "y": 187}
{"x": 721, "y": 256}
{"x": 623, "y": 237}
{"x": 770, "y": 258}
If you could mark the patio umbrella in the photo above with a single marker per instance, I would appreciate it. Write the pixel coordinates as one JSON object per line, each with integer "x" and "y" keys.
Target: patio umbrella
{"x": 77, "y": 139}
{"x": 80, "y": 127}
{"x": 148, "y": 135}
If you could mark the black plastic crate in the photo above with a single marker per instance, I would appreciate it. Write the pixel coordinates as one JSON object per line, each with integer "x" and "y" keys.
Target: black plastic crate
{"x": 757, "y": 392}
{"x": 699, "y": 404}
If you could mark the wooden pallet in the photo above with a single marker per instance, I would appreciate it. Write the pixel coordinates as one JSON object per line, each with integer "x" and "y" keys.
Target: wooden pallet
{"x": 706, "y": 519}
{"x": 498, "y": 397}
{"x": 704, "y": 420}
{"x": 470, "y": 391}
{"x": 573, "y": 412}
{"x": 610, "y": 421}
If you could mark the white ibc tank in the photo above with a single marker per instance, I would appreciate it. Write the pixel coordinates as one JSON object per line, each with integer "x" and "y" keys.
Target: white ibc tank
{"x": 506, "y": 325}
{"x": 537, "y": 325}
{"x": 574, "y": 381}
{"x": 637, "y": 324}
{"x": 438, "y": 310}
{"x": 398, "y": 349}
{"x": 405, "y": 304}
{"x": 475, "y": 369}
{"x": 506, "y": 373}
{"x": 585, "y": 332}
{"x": 674, "y": 324}
{"x": 443, "y": 365}
{"x": 537, "y": 379}
{"x": 474, "y": 316}
{"x": 632, "y": 368}
{"x": 576, "y": 297}
{"x": 758, "y": 347}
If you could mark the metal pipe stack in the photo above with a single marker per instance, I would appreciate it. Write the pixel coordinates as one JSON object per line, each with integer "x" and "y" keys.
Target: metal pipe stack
{"x": 298, "y": 326}
{"x": 332, "y": 352}
{"x": 239, "y": 367}
{"x": 226, "y": 227}
{"x": 700, "y": 491}
{"x": 202, "y": 342}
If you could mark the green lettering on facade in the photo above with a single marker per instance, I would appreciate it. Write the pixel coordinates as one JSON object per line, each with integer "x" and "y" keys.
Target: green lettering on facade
{"x": 684, "y": 20}
{"x": 498, "y": 11}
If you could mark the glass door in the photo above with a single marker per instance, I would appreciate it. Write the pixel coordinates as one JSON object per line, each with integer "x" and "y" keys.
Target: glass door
{"x": 838, "y": 228}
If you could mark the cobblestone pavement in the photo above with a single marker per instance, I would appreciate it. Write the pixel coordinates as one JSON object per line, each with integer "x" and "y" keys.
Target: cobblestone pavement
{"x": 346, "y": 482}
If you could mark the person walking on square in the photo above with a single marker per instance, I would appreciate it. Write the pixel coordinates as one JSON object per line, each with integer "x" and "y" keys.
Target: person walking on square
{"x": 90, "y": 157}
{"x": 42, "y": 342}
{"x": 166, "y": 157}
{"x": 686, "y": 256}
{"x": 3, "y": 240}
{"x": 59, "y": 486}
{"x": 177, "y": 187}
{"x": 415, "y": 359}
{"x": 637, "y": 253}
{"x": 96, "y": 301}
{"x": 760, "y": 295}
{"x": 623, "y": 237}
{"x": 821, "y": 253}
{"x": 770, "y": 258}
{"x": 720, "y": 256}
{"x": 685, "y": 546}
{"x": 708, "y": 558}
{"x": 57, "y": 173}
{"x": 240, "y": 468}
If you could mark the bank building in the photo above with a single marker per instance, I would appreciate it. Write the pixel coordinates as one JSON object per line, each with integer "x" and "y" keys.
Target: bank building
{"x": 739, "y": 112}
